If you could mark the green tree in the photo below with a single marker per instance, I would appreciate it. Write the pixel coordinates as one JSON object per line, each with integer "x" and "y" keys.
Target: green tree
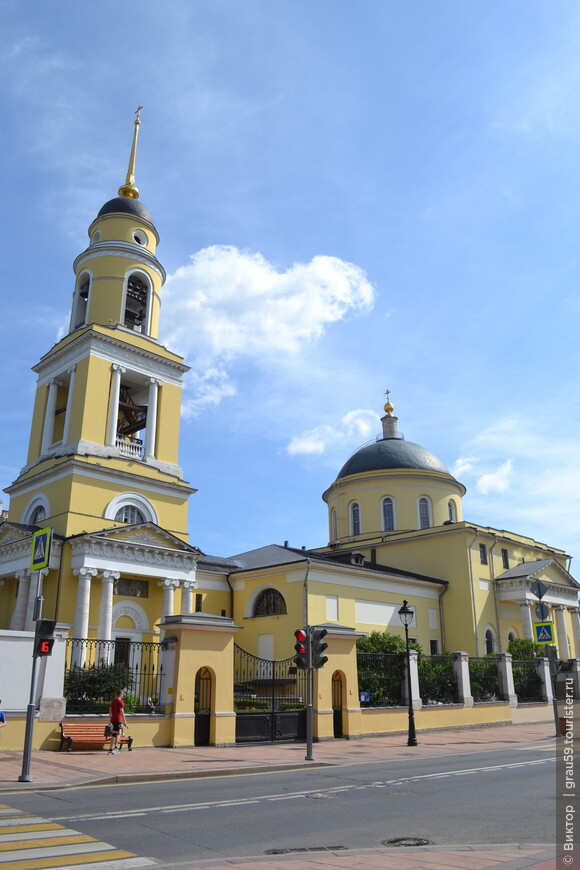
{"x": 523, "y": 650}
{"x": 383, "y": 642}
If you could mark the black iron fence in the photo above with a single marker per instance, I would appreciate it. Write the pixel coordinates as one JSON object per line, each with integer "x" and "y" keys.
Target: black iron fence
{"x": 484, "y": 679}
{"x": 264, "y": 684}
{"x": 527, "y": 683}
{"x": 380, "y": 679}
{"x": 96, "y": 669}
{"x": 437, "y": 683}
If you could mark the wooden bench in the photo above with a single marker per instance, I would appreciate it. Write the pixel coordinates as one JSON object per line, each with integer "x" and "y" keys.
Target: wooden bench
{"x": 83, "y": 732}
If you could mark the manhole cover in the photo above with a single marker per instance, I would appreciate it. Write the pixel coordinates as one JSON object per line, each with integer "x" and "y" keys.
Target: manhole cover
{"x": 407, "y": 841}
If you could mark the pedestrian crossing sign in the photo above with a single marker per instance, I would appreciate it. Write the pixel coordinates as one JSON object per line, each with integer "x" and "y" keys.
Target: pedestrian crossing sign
{"x": 544, "y": 632}
{"x": 40, "y": 554}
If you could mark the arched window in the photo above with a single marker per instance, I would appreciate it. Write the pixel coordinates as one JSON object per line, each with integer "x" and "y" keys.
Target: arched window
{"x": 129, "y": 514}
{"x": 512, "y": 635}
{"x": 424, "y": 513}
{"x": 489, "y": 641}
{"x": 388, "y": 514}
{"x": 269, "y": 603}
{"x": 452, "y": 511}
{"x": 38, "y": 515}
{"x": 333, "y": 525}
{"x": 136, "y": 303}
{"x": 81, "y": 301}
{"x": 36, "y": 511}
{"x": 355, "y": 518}
{"x": 131, "y": 507}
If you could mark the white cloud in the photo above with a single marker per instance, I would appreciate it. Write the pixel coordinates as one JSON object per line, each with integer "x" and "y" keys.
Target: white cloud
{"x": 496, "y": 481}
{"x": 355, "y": 427}
{"x": 462, "y": 465}
{"x": 230, "y": 305}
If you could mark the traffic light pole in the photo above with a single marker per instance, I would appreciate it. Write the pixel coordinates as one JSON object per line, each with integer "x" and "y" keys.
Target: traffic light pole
{"x": 30, "y": 710}
{"x": 309, "y": 713}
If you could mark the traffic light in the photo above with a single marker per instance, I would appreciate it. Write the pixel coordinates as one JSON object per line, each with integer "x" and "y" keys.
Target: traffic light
{"x": 44, "y": 637}
{"x": 302, "y": 647}
{"x": 318, "y": 647}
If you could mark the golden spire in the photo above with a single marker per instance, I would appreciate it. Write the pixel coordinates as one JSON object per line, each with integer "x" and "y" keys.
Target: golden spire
{"x": 388, "y": 407}
{"x": 129, "y": 189}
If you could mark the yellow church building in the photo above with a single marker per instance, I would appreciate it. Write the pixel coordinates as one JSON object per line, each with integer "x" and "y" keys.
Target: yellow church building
{"x": 103, "y": 472}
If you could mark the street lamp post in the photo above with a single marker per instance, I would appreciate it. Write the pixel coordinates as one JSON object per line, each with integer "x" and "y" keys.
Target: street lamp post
{"x": 406, "y": 615}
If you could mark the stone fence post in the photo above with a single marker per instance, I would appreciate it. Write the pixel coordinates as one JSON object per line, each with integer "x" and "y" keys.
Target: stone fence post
{"x": 414, "y": 662}
{"x": 506, "y": 678}
{"x": 461, "y": 673}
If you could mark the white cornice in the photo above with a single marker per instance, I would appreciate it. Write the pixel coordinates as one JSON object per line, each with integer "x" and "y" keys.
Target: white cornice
{"x": 15, "y": 554}
{"x": 89, "y": 342}
{"x": 120, "y": 249}
{"x": 100, "y": 473}
{"x": 137, "y": 557}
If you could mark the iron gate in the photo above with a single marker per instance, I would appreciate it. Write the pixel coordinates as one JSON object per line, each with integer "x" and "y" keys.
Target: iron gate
{"x": 269, "y": 699}
{"x": 202, "y": 707}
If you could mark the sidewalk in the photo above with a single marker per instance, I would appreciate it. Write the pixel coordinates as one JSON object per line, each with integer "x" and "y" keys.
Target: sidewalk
{"x": 54, "y": 770}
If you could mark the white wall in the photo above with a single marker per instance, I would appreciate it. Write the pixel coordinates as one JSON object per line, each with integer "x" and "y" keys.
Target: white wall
{"x": 16, "y": 658}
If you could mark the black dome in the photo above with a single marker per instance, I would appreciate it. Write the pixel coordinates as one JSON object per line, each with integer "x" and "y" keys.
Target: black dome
{"x": 391, "y": 453}
{"x": 126, "y": 205}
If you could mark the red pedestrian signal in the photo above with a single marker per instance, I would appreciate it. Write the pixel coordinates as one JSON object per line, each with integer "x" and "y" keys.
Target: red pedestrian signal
{"x": 302, "y": 647}
{"x": 44, "y": 637}
{"x": 43, "y": 646}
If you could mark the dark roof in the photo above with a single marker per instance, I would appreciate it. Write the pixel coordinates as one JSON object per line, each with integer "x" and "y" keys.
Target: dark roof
{"x": 526, "y": 569}
{"x": 391, "y": 453}
{"x": 126, "y": 205}
{"x": 274, "y": 555}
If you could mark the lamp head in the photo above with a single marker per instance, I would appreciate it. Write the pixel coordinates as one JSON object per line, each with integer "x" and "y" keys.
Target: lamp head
{"x": 406, "y": 613}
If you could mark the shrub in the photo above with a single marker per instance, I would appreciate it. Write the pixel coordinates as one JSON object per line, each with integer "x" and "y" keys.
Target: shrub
{"x": 383, "y": 642}
{"x": 98, "y": 683}
{"x": 524, "y": 650}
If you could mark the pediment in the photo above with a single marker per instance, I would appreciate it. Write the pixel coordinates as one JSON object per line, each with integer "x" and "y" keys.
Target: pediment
{"x": 11, "y": 533}
{"x": 147, "y": 535}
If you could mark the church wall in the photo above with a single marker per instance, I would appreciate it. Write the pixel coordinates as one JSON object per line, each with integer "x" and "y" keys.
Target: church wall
{"x": 40, "y": 402}
{"x": 282, "y": 627}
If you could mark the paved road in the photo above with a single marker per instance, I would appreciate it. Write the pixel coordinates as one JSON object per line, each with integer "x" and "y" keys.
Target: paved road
{"x": 497, "y": 796}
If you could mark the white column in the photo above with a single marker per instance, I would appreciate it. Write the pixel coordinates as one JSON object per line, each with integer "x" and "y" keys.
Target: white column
{"x": 563, "y": 646}
{"x": 575, "y": 617}
{"x": 114, "y": 404}
{"x": 151, "y": 428}
{"x": 19, "y": 616}
{"x": 168, "y": 587}
{"x": 81, "y": 624}
{"x": 187, "y": 596}
{"x": 48, "y": 429}
{"x": 527, "y": 630}
{"x": 104, "y": 630}
{"x": 69, "y": 405}
{"x": 506, "y": 678}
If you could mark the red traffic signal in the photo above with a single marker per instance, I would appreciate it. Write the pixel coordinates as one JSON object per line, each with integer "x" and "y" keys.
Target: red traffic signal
{"x": 302, "y": 647}
{"x": 44, "y": 637}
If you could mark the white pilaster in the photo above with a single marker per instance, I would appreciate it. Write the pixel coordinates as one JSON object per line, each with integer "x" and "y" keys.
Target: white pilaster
{"x": 168, "y": 587}
{"x": 187, "y": 596}
{"x": 81, "y": 624}
{"x": 575, "y": 618}
{"x": 563, "y": 646}
{"x": 151, "y": 428}
{"x": 48, "y": 428}
{"x": 19, "y": 615}
{"x": 114, "y": 394}
{"x": 69, "y": 405}
{"x": 527, "y": 630}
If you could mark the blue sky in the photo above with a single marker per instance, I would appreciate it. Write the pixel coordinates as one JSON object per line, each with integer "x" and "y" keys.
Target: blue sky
{"x": 350, "y": 197}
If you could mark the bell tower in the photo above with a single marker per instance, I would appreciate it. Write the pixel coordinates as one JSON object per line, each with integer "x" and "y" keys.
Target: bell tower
{"x": 104, "y": 439}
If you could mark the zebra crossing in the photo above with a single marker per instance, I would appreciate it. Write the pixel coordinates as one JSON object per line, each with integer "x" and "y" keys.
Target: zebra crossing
{"x": 29, "y": 842}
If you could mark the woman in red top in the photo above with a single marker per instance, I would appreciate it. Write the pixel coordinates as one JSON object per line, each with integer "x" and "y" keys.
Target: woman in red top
{"x": 117, "y": 720}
